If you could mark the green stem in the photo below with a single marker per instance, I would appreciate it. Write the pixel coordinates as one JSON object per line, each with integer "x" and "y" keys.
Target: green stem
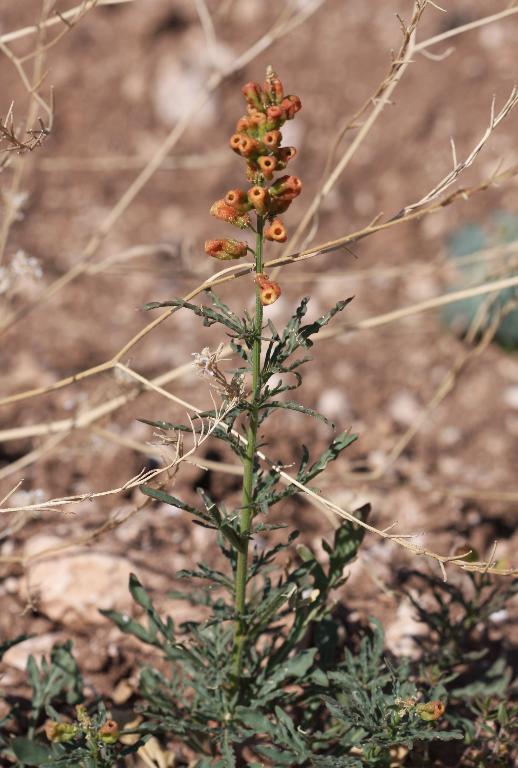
{"x": 247, "y": 509}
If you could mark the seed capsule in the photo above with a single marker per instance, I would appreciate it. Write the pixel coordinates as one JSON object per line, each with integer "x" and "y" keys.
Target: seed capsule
{"x": 225, "y": 212}
{"x": 109, "y": 732}
{"x": 430, "y": 710}
{"x": 276, "y": 231}
{"x": 258, "y": 197}
{"x": 269, "y": 291}
{"x": 267, "y": 165}
{"x": 225, "y": 250}
{"x": 238, "y": 199}
{"x": 272, "y": 139}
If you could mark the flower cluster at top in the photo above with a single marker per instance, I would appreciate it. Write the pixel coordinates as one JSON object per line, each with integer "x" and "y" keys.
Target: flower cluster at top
{"x": 258, "y": 141}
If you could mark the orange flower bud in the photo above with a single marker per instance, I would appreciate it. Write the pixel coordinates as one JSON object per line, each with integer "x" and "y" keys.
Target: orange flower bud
{"x": 256, "y": 119}
{"x": 291, "y": 105}
{"x": 252, "y": 93}
{"x": 225, "y": 250}
{"x": 225, "y": 212}
{"x": 267, "y": 165}
{"x": 243, "y": 124}
{"x": 235, "y": 141}
{"x": 258, "y": 197}
{"x": 278, "y": 204}
{"x": 269, "y": 291}
{"x": 272, "y": 139}
{"x": 60, "y": 732}
{"x": 50, "y": 729}
{"x": 109, "y": 732}
{"x": 287, "y": 187}
{"x": 285, "y": 154}
{"x": 275, "y": 117}
{"x": 273, "y": 88}
{"x": 430, "y": 710}
{"x": 238, "y": 199}
{"x": 276, "y": 231}
{"x": 248, "y": 146}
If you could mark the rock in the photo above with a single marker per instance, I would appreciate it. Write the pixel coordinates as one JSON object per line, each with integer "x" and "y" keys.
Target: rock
{"x": 72, "y": 586}
{"x": 511, "y": 397}
{"x": 449, "y": 436}
{"x": 334, "y": 404}
{"x": 399, "y": 633}
{"x": 181, "y": 78}
{"x": 18, "y": 655}
{"x": 153, "y": 755}
{"x": 404, "y": 408}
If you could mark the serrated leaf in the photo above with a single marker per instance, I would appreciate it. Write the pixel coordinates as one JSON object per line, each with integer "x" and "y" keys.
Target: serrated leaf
{"x": 297, "y": 666}
{"x": 130, "y": 626}
{"x": 312, "y": 328}
{"x": 276, "y": 756}
{"x": 208, "y": 315}
{"x": 272, "y": 605}
{"x": 348, "y": 538}
{"x": 233, "y": 537}
{"x": 166, "y": 498}
{"x": 254, "y": 720}
{"x": 139, "y": 594}
{"x": 339, "y": 444}
{"x": 305, "y": 554}
{"x": 291, "y": 405}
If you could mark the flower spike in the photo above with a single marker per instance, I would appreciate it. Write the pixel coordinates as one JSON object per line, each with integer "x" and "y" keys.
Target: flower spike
{"x": 258, "y": 139}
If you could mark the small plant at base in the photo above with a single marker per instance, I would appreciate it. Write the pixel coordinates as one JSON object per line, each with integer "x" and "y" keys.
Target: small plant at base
{"x": 85, "y": 739}
{"x": 462, "y": 657}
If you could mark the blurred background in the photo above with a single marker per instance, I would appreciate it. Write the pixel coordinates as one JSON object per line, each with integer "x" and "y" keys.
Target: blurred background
{"x": 437, "y": 413}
